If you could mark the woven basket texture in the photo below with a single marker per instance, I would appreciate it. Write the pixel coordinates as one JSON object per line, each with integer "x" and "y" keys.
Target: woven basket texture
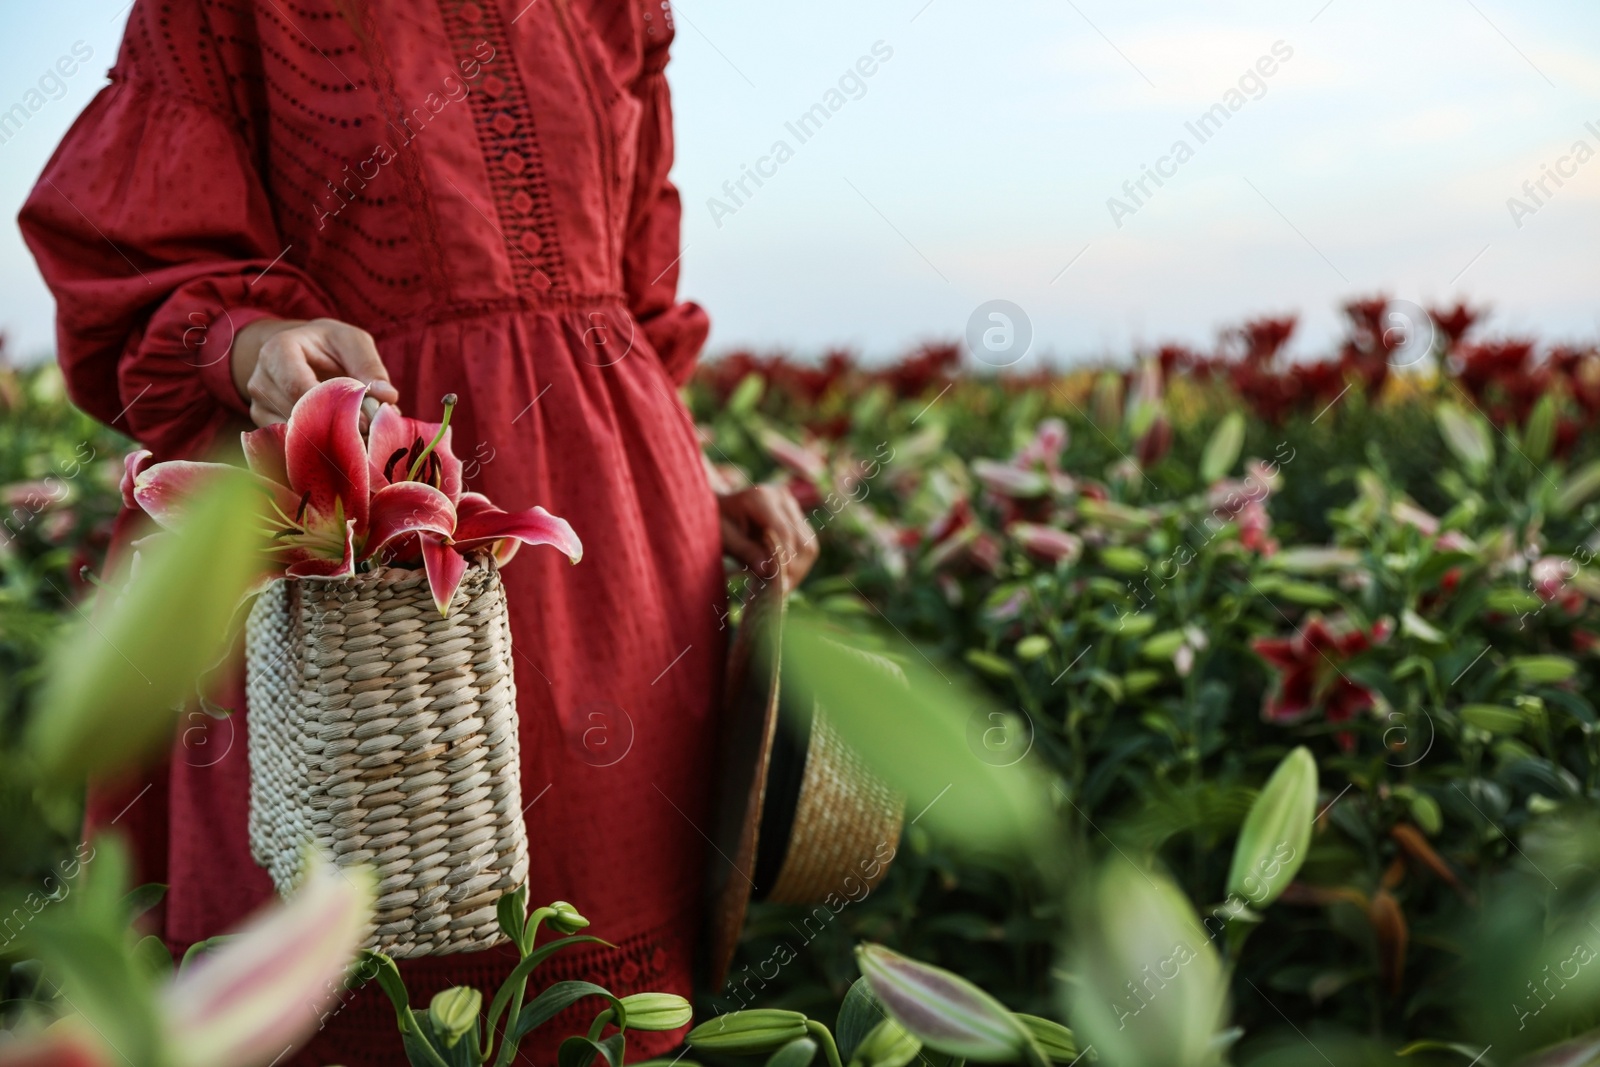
{"x": 845, "y": 816}
{"x": 384, "y": 734}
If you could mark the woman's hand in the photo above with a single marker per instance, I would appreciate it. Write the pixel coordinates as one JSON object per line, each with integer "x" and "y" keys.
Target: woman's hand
{"x": 763, "y": 528}
{"x": 275, "y": 361}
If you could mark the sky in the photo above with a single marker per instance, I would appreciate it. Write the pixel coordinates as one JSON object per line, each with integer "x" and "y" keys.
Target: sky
{"x": 985, "y": 158}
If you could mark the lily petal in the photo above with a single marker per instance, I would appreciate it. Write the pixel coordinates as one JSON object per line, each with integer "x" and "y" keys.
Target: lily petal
{"x": 445, "y": 566}
{"x": 479, "y": 523}
{"x": 266, "y": 989}
{"x": 132, "y": 465}
{"x": 165, "y": 490}
{"x": 264, "y": 452}
{"x": 403, "y": 508}
{"x": 324, "y": 454}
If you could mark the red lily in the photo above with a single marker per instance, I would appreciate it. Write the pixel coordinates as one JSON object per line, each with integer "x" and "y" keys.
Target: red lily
{"x": 335, "y": 502}
{"x": 1311, "y": 677}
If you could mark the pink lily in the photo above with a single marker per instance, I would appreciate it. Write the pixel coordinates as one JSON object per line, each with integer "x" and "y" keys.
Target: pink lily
{"x": 249, "y": 1001}
{"x": 264, "y": 991}
{"x": 337, "y": 503}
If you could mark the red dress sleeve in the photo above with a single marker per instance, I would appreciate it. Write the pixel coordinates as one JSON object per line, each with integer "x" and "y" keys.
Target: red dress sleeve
{"x": 153, "y": 230}
{"x": 676, "y": 330}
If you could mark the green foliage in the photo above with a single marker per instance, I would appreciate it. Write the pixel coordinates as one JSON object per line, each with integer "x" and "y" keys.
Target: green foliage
{"x": 1402, "y": 589}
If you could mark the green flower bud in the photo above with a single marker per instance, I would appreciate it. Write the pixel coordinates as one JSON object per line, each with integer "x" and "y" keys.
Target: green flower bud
{"x": 944, "y": 1010}
{"x": 566, "y": 919}
{"x": 1032, "y": 647}
{"x": 887, "y": 1045}
{"x": 1053, "y": 1039}
{"x": 1276, "y": 832}
{"x": 656, "y": 1011}
{"x": 454, "y": 1012}
{"x": 748, "y": 1032}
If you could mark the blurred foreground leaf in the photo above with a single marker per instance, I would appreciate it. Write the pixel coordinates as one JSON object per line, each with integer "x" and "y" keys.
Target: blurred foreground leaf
{"x": 1147, "y": 986}
{"x": 913, "y": 727}
{"x": 120, "y": 673}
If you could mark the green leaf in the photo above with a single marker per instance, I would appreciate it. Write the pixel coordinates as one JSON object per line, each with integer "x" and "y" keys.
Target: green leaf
{"x": 115, "y": 682}
{"x": 556, "y": 999}
{"x": 581, "y": 1051}
{"x": 1512, "y": 601}
{"x": 1222, "y": 450}
{"x": 1579, "y": 487}
{"x": 1539, "y": 435}
{"x": 511, "y": 911}
{"x": 1493, "y": 718}
{"x": 1414, "y": 625}
{"x": 1314, "y": 559}
{"x": 142, "y": 898}
{"x": 1053, "y": 1039}
{"x": 152, "y": 954}
{"x": 859, "y": 1013}
{"x": 200, "y": 948}
{"x": 1276, "y": 833}
{"x": 747, "y": 394}
{"x": 1466, "y": 434}
{"x": 910, "y": 723}
{"x": 797, "y": 1053}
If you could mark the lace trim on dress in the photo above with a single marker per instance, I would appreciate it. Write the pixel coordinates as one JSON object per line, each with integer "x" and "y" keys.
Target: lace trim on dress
{"x": 506, "y": 132}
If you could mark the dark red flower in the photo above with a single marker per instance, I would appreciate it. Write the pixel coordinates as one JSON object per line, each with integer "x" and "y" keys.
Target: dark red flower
{"x": 1311, "y": 676}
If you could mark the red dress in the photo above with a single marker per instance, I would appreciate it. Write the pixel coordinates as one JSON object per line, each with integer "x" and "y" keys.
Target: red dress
{"x": 482, "y": 185}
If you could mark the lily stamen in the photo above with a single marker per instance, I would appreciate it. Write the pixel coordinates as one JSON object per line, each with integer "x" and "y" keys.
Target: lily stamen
{"x": 444, "y": 424}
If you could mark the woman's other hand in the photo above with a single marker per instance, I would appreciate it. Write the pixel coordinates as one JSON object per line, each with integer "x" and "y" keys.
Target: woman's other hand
{"x": 763, "y": 528}
{"x": 275, "y": 361}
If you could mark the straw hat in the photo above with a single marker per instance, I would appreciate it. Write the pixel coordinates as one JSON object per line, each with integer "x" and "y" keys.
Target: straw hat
{"x": 798, "y": 817}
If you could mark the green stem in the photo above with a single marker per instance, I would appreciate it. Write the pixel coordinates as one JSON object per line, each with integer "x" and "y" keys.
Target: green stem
{"x": 444, "y": 424}
{"x": 825, "y": 1038}
{"x": 514, "y": 991}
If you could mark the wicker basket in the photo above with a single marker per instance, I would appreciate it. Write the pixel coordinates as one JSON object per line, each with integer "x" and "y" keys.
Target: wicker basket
{"x": 386, "y": 735}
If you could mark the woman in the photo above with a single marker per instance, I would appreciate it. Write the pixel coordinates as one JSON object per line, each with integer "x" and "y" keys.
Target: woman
{"x": 466, "y": 196}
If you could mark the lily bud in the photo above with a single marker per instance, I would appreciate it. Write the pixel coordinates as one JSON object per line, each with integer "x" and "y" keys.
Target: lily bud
{"x": 944, "y": 1010}
{"x": 1276, "y": 832}
{"x": 1053, "y": 1039}
{"x": 565, "y": 919}
{"x": 454, "y": 1012}
{"x": 656, "y": 1011}
{"x": 1149, "y": 989}
{"x": 748, "y": 1032}
{"x": 887, "y": 1045}
{"x": 1046, "y": 542}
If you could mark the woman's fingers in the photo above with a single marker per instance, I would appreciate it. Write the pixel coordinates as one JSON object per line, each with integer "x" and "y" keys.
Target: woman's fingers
{"x": 793, "y": 533}
{"x": 295, "y": 357}
{"x": 356, "y": 354}
{"x": 736, "y": 543}
{"x": 765, "y": 530}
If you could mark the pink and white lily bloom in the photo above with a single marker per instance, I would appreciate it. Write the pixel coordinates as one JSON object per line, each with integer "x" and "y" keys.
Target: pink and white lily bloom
{"x": 336, "y": 504}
